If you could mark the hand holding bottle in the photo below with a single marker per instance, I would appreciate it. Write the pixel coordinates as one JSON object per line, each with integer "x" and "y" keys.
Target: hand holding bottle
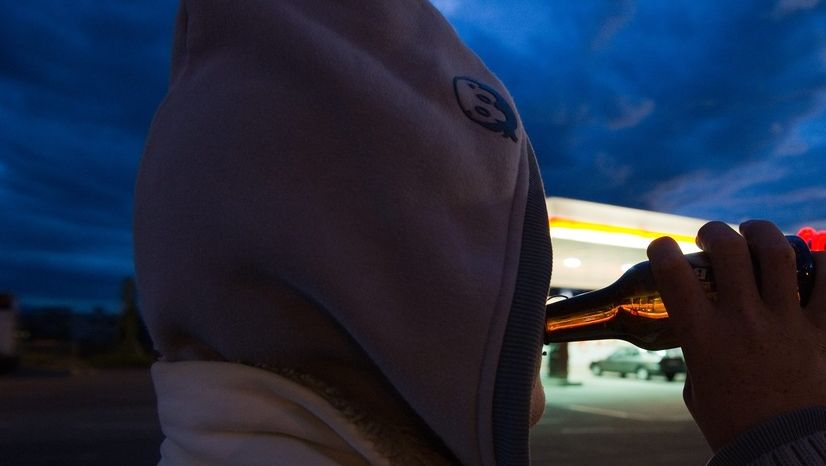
{"x": 754, "y": 353}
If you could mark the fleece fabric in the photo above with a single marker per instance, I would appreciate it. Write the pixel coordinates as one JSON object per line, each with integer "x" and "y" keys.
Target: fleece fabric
{"x": 343, "y": 189}
{"x": 796, "y": 438}
{"x": 221, "y": 413}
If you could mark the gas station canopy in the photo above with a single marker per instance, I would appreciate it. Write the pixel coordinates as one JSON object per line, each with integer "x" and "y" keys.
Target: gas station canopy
{"x": 593, "y": 244}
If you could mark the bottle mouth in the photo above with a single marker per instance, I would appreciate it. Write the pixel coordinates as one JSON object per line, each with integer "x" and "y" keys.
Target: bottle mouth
{"x": 805, "y": 268}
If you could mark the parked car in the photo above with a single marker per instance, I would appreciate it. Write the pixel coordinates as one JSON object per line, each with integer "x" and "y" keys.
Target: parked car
{"x": 642, "y": 363}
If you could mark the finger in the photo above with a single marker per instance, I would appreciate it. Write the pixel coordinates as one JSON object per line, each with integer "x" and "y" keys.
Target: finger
{"x": 816, "y": 308}
{"x": 729, "y": 256}
{"x": 775, "y": 265}
{"x": 681, "y": 292}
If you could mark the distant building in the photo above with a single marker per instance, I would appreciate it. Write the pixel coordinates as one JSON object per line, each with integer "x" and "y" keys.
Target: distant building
{"x": 9, "y": 356}
{"x": 47, "y": 323}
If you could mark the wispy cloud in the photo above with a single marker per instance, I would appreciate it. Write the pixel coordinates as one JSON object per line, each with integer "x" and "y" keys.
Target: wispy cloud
{"x": 78, "y": 86}
{"x": 786, "y": 7}
{"x": 785, "y": 190}
{"x": 686, "y": 94}
{"x": 631, "y": 113}
{"x": 700, "y": 107}
{"x": 804, "y": 131}
{"x": 616, "y": 172}
{"x": 613, "y": 24}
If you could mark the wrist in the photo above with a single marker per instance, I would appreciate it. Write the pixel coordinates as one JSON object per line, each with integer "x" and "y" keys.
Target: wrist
{"x": 772, "y": 435}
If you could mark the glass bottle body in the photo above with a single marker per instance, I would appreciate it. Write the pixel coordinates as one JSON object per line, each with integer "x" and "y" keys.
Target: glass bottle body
{"x": 631, "y": 308}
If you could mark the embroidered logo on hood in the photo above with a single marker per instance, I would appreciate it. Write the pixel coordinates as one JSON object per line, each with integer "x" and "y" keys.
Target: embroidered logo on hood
{"x": 482, "y": 104}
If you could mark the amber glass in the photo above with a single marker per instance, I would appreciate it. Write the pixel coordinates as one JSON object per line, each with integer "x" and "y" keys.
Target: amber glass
{"x": 631, "y": 308}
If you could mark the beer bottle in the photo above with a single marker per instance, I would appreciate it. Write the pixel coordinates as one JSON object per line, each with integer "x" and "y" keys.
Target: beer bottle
{"x": 631, "y": 308}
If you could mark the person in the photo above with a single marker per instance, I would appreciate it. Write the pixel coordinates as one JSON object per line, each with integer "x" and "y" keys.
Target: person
{"x": 341, "y": 243}
{"x": 755, "y": 357}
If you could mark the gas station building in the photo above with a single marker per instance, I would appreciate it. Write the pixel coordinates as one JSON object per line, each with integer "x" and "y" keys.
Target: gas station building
{"x": 593, "y": 244}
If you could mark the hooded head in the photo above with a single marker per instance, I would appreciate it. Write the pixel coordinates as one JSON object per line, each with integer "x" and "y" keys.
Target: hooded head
{"x": 314, "y": 195}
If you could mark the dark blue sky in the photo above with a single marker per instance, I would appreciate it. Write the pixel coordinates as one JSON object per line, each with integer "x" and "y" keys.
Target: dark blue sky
{"x": 697, "y": 107}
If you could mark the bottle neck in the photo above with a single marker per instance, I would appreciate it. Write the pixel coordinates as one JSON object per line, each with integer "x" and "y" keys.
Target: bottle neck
{"x": 600, "y": 306}
{"x": 636, "y": 281}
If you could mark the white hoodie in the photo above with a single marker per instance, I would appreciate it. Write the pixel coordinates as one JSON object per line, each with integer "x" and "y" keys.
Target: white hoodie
{"x": 342, "y": 189}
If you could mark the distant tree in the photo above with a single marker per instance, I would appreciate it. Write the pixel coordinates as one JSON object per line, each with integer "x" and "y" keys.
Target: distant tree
{"x": 130, "y": 324}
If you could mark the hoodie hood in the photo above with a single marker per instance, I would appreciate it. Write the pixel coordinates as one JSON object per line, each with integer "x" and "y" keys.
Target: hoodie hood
{"x": 344, "y": 189}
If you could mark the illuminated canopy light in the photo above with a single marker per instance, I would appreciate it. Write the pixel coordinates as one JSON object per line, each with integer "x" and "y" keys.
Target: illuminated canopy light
{"x": 572, "y": 262}
{"x": 612, "y": 235}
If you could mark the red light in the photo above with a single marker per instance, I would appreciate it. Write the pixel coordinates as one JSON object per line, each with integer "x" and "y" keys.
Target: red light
{"x": 819, "y": 242}
{"x": 806, "y": 233}
{"x": 815, "y": 239}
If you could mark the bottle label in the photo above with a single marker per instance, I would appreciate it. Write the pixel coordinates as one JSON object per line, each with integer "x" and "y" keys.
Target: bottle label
{"x": 706, "y": 277}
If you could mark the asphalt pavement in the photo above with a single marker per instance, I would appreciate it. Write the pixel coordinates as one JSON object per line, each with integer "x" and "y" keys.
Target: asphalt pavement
{"x": 107, "y": 417}
{"x": 610, "y": 420}
{"x": 91, "y": 417}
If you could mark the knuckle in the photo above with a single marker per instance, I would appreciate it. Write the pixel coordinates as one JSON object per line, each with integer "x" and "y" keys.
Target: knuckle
{"x": 664, "y": 254}
{"x": 717, "y": 235}
{"x": 662, "y": 243}
{"x": 712, "y": 228}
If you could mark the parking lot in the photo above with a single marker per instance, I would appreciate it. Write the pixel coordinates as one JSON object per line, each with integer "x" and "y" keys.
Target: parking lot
{"x": 609, "y": 420}
{"x": 108, "y": 417}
